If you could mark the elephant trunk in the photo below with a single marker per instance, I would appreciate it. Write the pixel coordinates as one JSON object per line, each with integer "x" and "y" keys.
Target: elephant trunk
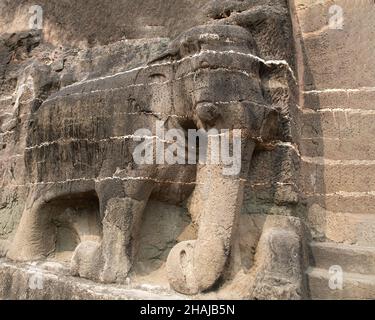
{"x": 195, "y": 266}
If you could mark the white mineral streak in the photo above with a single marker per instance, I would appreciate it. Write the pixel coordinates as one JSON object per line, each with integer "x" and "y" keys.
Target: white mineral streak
{"x": 330, "y": 162}
{"x": 70, "y": 140}
{"x": 190, "y": 74}
{"x": 341, "y": 90}
{"x": 202, "y": 52}
{"x": 345, "y": 194}
{"x": 348, "y": 111}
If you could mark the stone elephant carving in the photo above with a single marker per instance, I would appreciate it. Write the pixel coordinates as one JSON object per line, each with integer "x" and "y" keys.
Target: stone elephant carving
{"x": 81, "y": 144}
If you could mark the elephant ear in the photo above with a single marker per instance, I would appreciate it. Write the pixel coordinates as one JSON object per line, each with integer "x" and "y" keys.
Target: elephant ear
{"x": 166, "y": 55}
{"x": 270, "y": 125}
{"x": 171, "y": 53}
{"x": 184, "y": 45}
{"x": 263, "y": 120}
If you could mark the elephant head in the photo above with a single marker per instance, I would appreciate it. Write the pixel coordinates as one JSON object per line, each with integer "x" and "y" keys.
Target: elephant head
{"x": 217, "y": 84}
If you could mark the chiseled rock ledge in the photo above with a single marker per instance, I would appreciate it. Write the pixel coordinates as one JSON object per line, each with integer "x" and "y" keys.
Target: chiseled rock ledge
{"x": 51, "y": 281}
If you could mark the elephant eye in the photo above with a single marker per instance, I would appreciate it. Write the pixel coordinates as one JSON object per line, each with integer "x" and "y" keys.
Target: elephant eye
{"x": 157, "y": 77}
{"x": 204, "y": 64}
{"x": 189, "y": 48}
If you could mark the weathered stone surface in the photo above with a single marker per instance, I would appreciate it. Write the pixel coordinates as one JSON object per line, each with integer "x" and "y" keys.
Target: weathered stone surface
{"x": 350, "y": 258}
{"x": 70, "y": 22}
{"x": 280, "y": 260}
{"x": 43, "y": 281}
{"x": 355, "y": 286}
{"x": 75, "y": 206}
{"x": 337, "y": 84}
{"x": 329, "y": 52}
{"x": 245, "y": 273}
{"x": 81, "y": 193}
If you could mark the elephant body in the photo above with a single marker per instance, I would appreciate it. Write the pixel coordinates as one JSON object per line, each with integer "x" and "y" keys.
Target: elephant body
{"x": 81, "y": 145}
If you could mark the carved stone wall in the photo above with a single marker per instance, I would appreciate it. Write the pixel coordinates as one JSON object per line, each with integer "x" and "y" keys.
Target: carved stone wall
{"x": 73, "y": 202}
{"x": 334, "y": 50}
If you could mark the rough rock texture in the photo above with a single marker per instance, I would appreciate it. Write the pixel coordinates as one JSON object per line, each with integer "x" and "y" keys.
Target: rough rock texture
{"x": 100, "y": 226}
{"x": 90, "y": 22}
{"x": 336, "y": 81}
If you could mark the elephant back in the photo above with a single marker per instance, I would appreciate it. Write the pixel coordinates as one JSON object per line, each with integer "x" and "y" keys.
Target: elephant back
{"x": 88, "y": 127}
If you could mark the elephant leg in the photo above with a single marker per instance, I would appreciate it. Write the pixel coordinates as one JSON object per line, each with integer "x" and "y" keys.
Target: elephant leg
{"x": 195, "y": 266}
{"x": 111, "y": 260}
{"x": 35, "y": 236}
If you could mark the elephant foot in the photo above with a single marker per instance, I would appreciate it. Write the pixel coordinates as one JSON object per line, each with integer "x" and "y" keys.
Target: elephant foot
{"x": 195, "y": 266}
{"x": 4, "y": 247}
{"x": 86, "y": 260}
{"x": 90, "y": 262}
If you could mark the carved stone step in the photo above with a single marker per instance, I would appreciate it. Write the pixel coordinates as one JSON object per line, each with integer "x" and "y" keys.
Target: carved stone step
{"x": 355, "y": 285}
{"x": 350, "y": 258}
{"x": 51, "y": 281}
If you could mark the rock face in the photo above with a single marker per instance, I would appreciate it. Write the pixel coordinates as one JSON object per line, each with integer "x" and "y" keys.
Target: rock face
{"x": 80, "y": 217}
{"x": 337, "y": 154}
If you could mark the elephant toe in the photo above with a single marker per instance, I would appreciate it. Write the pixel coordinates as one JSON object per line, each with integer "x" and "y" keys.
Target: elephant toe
{"x": 85, "y": 260}
{"x": 90, "y": 262}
